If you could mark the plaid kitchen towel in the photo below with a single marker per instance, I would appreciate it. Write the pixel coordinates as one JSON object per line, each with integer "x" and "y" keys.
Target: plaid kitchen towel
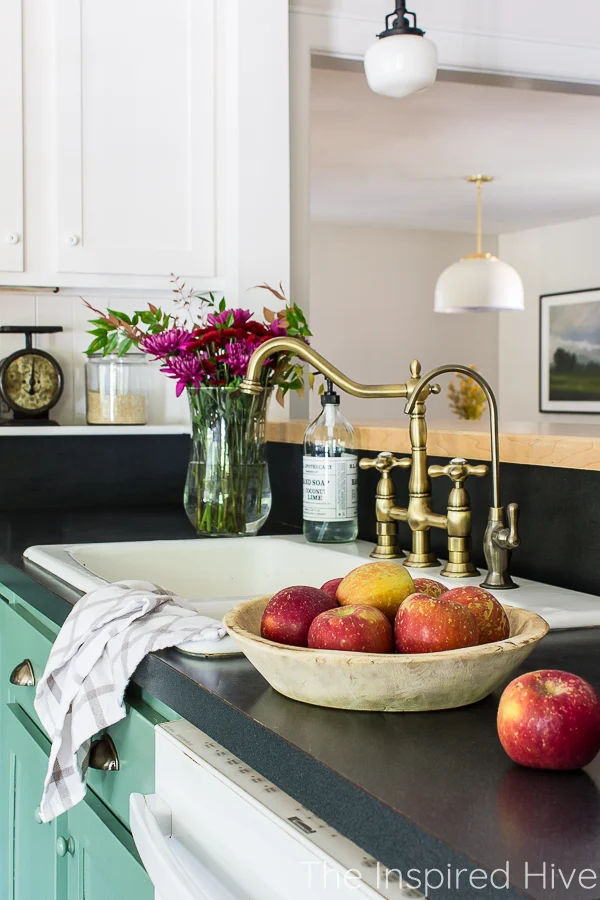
{"x": 104, "y": 638}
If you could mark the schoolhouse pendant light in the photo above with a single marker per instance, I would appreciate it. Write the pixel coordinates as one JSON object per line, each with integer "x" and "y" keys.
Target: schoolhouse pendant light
{"x": 401, "y": 61}
{"x": 479, "y": 282}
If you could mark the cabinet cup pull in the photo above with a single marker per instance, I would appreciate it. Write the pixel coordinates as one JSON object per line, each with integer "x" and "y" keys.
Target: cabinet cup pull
{"x": 103, "y": 755}
{"x": 64, "y": 846}
{"x": 22, "y": 675}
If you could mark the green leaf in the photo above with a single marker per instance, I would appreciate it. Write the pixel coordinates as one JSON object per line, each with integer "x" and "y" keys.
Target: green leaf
{"x": 222, "y": 304}
{"x": 229, "y": 320}
{"x": 95, "y": 346}
{"x": 111, "y": 344}
{"x": 119, "y": 315}
{"x": 98, "y": 332}
{"x": 124, "y": 346}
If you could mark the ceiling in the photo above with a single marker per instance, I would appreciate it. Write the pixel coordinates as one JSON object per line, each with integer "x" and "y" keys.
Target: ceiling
{"x": 402, "y": 162}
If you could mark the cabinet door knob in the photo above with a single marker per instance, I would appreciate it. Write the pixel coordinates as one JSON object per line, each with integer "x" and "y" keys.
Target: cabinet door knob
{"x": 22, "y": 675}
{"x": 103, "y": 755}
{"x": 64, "y": 846}
{"x": 38, "y": 816}
{"x": 12, "y": 237}
{"x": 73, "y": 240}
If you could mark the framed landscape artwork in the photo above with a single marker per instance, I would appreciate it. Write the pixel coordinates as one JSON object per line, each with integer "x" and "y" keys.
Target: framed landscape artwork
{"x": 570, "y": 352}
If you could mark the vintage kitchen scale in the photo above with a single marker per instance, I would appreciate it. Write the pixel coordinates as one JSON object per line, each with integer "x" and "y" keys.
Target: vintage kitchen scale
{"x": 31, "y": 380}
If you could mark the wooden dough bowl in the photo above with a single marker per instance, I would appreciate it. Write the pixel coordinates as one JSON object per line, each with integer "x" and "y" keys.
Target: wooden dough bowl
{"x": 384, "y": 682}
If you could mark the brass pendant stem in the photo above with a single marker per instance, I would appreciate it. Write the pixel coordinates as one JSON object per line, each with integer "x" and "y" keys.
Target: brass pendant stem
{"x": 479, "y": 226}
{"x": 479, "y": 180}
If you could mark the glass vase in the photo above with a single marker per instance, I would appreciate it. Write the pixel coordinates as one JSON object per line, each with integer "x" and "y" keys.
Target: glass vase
{"x": 227, "y": 490}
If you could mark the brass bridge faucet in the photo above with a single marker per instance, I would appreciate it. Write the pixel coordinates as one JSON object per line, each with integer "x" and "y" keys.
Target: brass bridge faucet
{"x": 499, "y": 539}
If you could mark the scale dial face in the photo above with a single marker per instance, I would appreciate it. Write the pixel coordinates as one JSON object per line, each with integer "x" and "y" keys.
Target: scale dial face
{"x": 31, "y": 381}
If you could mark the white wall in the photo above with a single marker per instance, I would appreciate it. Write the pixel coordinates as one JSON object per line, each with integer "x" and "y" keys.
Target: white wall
{"x": 371, "y": 310}
{"x": 555, "y": 258}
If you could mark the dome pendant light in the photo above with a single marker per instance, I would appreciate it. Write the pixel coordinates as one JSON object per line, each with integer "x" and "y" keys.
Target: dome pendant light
{"x": 479, "y": 282}
{"x": 402, "y": 61}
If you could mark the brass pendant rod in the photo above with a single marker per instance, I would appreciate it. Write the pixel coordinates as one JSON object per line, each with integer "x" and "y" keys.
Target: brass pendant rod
{"x": 479, "y": 234}
{"x": 493, "y": 407}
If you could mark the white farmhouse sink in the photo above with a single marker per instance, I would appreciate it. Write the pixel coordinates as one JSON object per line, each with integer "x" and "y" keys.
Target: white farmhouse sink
{"x": 219, "y": 572}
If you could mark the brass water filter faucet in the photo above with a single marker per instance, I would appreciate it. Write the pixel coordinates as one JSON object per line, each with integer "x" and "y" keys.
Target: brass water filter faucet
{"x": 500, "y": 538}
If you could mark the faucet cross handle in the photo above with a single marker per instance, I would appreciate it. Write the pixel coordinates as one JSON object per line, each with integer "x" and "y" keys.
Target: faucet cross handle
{"x": 458, "y": 470}
{"x": 385, "y": 462}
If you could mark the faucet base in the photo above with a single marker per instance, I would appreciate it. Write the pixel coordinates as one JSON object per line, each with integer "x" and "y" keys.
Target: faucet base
{"x": 387, "y": 553}
{"x": 502, "y": 584}
{"x": 459, "y": 570}
{"x": 421, "y": 560}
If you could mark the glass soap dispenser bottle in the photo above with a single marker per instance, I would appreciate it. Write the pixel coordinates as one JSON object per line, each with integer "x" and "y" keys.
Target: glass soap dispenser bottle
{"x": 330, "y": 475}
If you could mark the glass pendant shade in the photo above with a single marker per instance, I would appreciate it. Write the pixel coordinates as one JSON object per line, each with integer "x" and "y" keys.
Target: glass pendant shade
{"x": 479, "y": 284}
{"x": 401, "y": 64}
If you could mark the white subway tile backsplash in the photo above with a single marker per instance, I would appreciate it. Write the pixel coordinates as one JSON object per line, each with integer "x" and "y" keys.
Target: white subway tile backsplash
{"x": 68, "y": 348}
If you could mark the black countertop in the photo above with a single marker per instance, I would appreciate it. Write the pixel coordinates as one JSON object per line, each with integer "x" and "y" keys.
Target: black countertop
{"x": 417, "y": 791}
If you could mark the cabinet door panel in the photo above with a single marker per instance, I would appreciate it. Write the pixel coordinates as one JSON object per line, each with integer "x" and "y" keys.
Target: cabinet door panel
{"x": 34, "y": 869}
{"x": 11, "y": 144}
{"x": 136, "y": 136}
{"x": 105, "y": 862}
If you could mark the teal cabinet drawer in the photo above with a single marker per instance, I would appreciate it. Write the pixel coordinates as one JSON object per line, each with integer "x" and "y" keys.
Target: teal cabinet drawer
{"x": 133, "y": 739}
{"x": 23, "y": 638}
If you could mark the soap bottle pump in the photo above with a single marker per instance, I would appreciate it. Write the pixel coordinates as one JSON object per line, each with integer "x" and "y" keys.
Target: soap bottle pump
{"x": 330, "y": 475}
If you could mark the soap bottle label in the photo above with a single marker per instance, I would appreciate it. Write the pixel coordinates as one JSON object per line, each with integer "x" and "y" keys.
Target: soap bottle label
{"x": 330, "y": 488}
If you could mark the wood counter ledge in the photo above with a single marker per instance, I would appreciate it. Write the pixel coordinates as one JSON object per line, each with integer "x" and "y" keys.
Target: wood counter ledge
{"x": 536, "y": 444}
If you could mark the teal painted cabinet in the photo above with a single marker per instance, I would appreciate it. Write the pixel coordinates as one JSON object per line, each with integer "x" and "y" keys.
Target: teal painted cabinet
{"x": 87, "y": 853}
{"x": 103, "y": 862}
{"x": 33, "y": 867}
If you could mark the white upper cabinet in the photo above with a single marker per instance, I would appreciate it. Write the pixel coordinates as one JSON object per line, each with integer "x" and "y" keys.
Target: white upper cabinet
{"x": 11, "y": 142}
{"x": 144, "y": 137}
{"x": 135, "y": 124}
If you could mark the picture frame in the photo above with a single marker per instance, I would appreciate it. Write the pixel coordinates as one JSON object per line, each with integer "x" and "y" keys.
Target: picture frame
{"x": 569, "y": 354}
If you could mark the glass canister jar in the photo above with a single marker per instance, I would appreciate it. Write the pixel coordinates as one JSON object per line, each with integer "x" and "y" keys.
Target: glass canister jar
{"x": 116, "y": 389}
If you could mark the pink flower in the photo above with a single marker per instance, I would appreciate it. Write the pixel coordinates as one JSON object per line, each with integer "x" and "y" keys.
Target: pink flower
{"x": 166, "y": 343}
{"x": 238, "y": 355}
{"x": 188, "y": 369}
{"x": 240, "y": 317}
{"x": 277, "y": 329}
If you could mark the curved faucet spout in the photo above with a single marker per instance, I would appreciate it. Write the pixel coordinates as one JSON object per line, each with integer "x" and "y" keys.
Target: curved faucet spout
{"x": 252, "y": 383}
{"x": 493, "y": 406}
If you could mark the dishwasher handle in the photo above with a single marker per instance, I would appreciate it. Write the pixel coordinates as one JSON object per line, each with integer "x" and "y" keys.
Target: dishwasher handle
{"x": 150, "y": 822}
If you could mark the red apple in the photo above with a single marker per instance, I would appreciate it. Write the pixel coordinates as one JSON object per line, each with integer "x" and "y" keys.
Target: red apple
{"x": 360, "y": 629}
{"x": 330, "y": 587}
{"x": 550, "y": 720}
{"x": 429, "y": 586}
{"x": 427, "y": 624}
{"x": 288, "y": 614}
{"x": 491, "y": 617}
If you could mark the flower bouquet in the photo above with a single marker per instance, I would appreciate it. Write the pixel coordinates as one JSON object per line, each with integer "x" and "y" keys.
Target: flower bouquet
{"x": 204, "y": 346}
